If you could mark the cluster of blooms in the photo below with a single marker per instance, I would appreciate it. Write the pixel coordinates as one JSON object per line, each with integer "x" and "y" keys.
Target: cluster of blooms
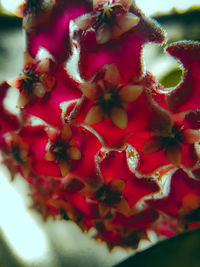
{"x": 98, "y": 139}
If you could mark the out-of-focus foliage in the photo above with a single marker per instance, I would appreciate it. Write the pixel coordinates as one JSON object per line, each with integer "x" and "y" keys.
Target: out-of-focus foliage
{"x": 172, "y": 78}
{"x": 181, "y": 25}
{"x": 182, "y": 250}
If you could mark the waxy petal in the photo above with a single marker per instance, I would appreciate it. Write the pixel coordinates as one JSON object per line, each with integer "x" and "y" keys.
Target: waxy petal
{"x": 104, "y": 34}
{"x": 103, "y": 209}
{"x": 186, "y": 95}
{"x": 130, "y": 93}
{"x": 133, "y": 189}
{"x": 173, "y": 154}
{"x": 95, "y": 115}
{"x": 55, "y": 35}
{"x": 121, "y": 52}
{"x": 154, "y": 144}
{"x": 74, "y": 153}
{"x": 65, "y": 89}
{"x": 66, "y": 133}
{"x": 64, "y": 167}
{"x": 124, "y": 23}
{"x": 112, "y": 75}
{"x": 85, "y": 21}
{"x": 119, "y": 117}
{"x": 90, "y": 90}
{"x": 190, "y": 136}
{"x": 182, "y": 186}
{"x": 49, "y": 156}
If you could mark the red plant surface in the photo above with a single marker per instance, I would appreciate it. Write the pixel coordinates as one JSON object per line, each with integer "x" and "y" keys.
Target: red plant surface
{"x": 101, "y": 145}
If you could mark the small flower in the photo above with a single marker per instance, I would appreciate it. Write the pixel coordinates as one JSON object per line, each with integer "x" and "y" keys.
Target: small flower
{"x": 63, "y": 149}
{"x": 110, "y": 98}
{"x": 36, "y": 80}
{"x": 172, "y": 142}
{"x": 109, "y": 20}
{"x": 110, "y": 196}
{"x": 19, "y": 151}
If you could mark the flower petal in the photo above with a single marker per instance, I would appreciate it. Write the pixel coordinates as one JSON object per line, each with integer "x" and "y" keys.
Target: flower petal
{"x": 186, "y": 95}
{"x": 49, "y": 156}
{"x": 103, "y": 209}
{"x": 64, "y": 167}
{"x": 173, "y": 154}
{"x": 104, "y": 34}
{"x": 85, "y": 21}
{"x": 112, "y": 75}
{"x": 125, "y": 23}
{"x": 154, "y": 144}
{"x": 23, "y": 99}
{"x": 94, "y": 115}
{"x": 74, "y": 153}
{"x": 119, "y": 117}
{"x": 181, "y": 186}
{"x": 121, "y": 52}
{"x": 89, "y": 90}
{"x": 117, "y": 186}
{"x": 130, "y": 93}
{"x": 66, "y": 132}
{"x": 190, "y": 136}
{"x": 55, "y": 35}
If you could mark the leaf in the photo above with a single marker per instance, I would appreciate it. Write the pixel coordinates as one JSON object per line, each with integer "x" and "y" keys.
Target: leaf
{"x": 181, "y": 250}
{"x": 172, "y": 78}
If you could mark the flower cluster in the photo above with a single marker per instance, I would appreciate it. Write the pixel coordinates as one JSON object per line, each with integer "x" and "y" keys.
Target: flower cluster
{"x": 104, "y": 144}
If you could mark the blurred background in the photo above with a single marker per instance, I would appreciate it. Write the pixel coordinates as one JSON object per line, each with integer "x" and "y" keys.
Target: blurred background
{"x": 61, "y": 243}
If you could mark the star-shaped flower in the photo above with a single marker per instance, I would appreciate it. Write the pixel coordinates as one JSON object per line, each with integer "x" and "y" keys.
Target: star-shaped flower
{"x": 18, "y": 154}
{"x": 110, "y": 98}
{"x": 63, "y": 150}
{"x": 109, "y": 20}
{"x": 172, "y": 142}
{"x": 36, "y": 80}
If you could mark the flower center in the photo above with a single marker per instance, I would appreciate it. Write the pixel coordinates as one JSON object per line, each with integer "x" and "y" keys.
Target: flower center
{"x": 16, "y": 154}
{"x": 174, "y": 136}
{"x": 28, "y": 79}
{"x": 109, "y": 11}
{"x": 59, "y": 149}
{"x": 109, "y": 99}
{"x": 107, "y": 196}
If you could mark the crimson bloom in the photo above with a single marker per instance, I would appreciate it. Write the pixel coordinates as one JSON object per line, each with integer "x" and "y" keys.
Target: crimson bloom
{"x": 97, "y": 138}
{"x": 107, "y": 34}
